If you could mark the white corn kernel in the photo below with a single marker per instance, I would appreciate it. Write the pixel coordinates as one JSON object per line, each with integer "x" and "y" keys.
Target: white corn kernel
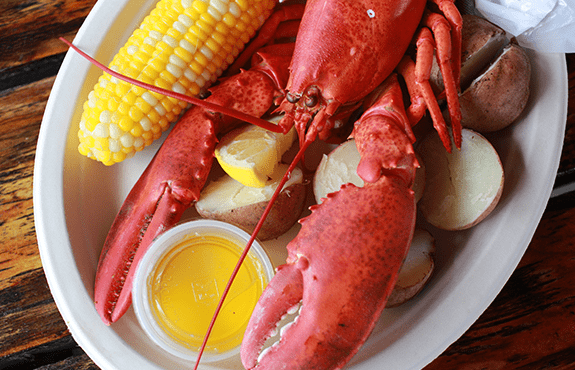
{"x": 207, "y": 52}
{"x": 115, "y": 131}
{"x": 185, "y": 20}
{"x": 200, "y": 81}
{"x": 174, "y": 70}
{"x": 188, "y": 46}
{"x": 146, "y": 124}
{"x": 178, "y": 26}
{"x": 215, "y": 13}
{"x": 114, "y": 146}
{"x": 190, "y": 75}
{"x": 177, "y": 61}
{"x": 149, "y": 98}
{"x": 138, "y": 142}
{"x": 105, "y": 116}
{"x": 220, "y": 6}
{"x": 101, "y": 130}
{"x": 160, "y": 109}
{"x": 132, "y": 49}
{"x": 206, "y": 75}
{"x": 150, "y": 41}
{"x": 170, "y": 40}
{"x": 127, "y": 140}
{"x": 177, "y": 87}
{"x": 235, "y": 10}
{"x": 155, "y": 35}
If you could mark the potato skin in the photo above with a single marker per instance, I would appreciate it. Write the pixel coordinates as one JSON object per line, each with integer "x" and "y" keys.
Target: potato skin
{"x": 481, "y": 42}
{"x": 498, "y": 97}
{"x": 283, "y": 215}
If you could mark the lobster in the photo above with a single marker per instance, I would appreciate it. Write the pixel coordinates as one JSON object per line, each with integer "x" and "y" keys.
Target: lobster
{"x": 344, "y": 262}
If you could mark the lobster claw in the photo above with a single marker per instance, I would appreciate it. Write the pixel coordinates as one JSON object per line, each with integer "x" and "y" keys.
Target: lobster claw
{"x": 342, "y": 266}
{"x": 170, "y": 184}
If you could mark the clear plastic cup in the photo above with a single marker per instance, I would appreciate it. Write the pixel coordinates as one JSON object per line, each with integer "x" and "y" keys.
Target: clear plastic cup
{"x": 160, "y": 267}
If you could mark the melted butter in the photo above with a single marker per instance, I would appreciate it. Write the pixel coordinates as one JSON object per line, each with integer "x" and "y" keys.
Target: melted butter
{"x": 186, "y": 286}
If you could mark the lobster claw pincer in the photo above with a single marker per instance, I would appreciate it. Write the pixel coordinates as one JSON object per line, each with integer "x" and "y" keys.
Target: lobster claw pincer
{"x": 342, "y": 266}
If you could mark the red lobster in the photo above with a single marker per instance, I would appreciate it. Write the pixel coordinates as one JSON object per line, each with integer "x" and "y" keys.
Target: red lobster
{"x": 343, "y": 264}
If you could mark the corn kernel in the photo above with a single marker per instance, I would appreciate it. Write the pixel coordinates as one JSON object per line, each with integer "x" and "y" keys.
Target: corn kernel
{"x": 146, "y": 124}
{"x": 170, "y": 116}
{"x": 103, "y": 156}
{"x": 147, "y": 136}
{"x": 122, "y": 88}
{"x": 83, "y": 149}
{"x": 142, "y": 105}
{"x": 200, "y": 6}
{"x": 168, "y": 78}
{"x": 135, "y": 114}
{"x": 123, "y": 108}
{"x": 167, "y": 104}
{"x": 196, "y": 67}
{"x": 113, "y": 103}
{"x": 164, "y": 124}
{"x": 137, "y": 131}
{"x": 153, "y": 115}
{"x": 208, "y": 19}
{"x": 118, "y": 156}
{"x": 129, "y": 98}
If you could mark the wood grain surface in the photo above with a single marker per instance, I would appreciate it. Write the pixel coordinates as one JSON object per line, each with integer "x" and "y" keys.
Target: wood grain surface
{"x": 530, "y": 325}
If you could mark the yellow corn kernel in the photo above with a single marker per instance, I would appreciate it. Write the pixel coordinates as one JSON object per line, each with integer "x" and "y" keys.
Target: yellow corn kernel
{"x": 200, "y": 6}
{"x": 182, "y": 45}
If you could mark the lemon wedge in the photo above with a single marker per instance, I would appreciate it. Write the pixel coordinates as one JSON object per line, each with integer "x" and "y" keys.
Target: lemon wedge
{"x": 250, "y": 154}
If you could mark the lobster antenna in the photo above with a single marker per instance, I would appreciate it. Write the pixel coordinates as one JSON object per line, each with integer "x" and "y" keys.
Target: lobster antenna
{"x": 188, "y": 99}
{"x": 259, "y": 225}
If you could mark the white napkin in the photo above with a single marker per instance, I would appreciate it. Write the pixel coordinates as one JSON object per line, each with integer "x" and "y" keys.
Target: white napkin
{"x": 542, "y": 25}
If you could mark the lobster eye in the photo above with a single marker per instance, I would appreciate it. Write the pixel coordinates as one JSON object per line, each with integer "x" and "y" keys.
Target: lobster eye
{"x": 312, "y": 96}
{"x": 311, "y": 101}
{"x": 291, "y": 98}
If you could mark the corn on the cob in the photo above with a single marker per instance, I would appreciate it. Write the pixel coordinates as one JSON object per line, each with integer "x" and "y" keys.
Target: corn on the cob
{"x": 183, "y": 46}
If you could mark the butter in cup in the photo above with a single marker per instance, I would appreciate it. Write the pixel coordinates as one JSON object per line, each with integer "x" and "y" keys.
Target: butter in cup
{"x": 179, "y": 282}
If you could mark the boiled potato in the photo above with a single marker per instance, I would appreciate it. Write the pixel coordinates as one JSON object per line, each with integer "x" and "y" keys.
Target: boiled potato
{"x": 340, "y": 167}
{"x": 335, "y": 169}
{"x": 495, "y": 77}
{"x": 463, "y": 187}
{"x": 228, "y": 200}
{"x": 495, "y": 99}
{"x": 481, "y": 42}
{"x": 416, "y": 269}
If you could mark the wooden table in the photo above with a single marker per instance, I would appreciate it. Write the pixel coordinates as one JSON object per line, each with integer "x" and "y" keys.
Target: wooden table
{"x": 531, "y": 324}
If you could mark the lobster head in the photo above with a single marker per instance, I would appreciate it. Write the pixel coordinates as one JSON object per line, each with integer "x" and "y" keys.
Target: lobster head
{"x": 340, "y": 56}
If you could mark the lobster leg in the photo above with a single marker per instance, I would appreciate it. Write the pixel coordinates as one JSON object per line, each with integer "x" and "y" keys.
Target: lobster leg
{"x": 416, "y": 76}
{"x": 455, "y": 20}
{"x": 445, "y": 45}
{"x": 347, "y": 254}
{"x": 169, "y": 185}
{"x": 276, "y": 26}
